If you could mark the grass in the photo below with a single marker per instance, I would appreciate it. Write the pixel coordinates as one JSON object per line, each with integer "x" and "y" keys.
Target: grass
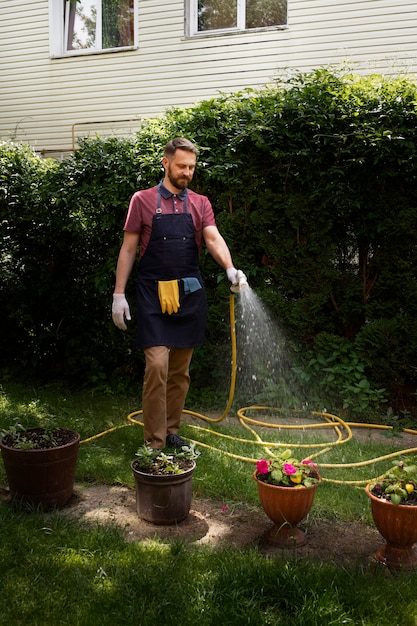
{"x": 55, "y": 570}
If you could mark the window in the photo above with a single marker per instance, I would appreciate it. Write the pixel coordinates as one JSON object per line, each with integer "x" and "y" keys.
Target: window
{"x": 235, "y": 15}
{"x": 82, "y": 26}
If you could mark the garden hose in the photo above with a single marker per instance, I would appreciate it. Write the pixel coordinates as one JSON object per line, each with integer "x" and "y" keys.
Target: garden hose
{"x": 341, "y": 428}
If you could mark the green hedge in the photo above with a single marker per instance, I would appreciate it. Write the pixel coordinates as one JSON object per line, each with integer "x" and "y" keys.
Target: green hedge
{"x": 313, "y": 181}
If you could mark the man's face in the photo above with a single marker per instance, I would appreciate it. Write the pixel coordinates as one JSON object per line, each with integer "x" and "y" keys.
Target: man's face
{"x": 180, "y": 168}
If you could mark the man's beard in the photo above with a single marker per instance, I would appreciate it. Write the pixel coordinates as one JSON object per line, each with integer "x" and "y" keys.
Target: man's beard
{"x": 179, "y": 182}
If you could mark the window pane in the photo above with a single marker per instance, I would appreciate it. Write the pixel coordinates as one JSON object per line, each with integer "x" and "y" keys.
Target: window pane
{"x": 81, "y": 17}
{"x": 117, "y": 23}
{"x": 265, "y": 13}
{"x": 114, "y": 28}
{"x": 216, "y": 14}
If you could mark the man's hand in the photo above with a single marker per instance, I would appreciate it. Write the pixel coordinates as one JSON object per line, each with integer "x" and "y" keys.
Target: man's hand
{"x": 232, "y": 275}
{"x": 237, "y": 278}
{"x": 120, "y": 310}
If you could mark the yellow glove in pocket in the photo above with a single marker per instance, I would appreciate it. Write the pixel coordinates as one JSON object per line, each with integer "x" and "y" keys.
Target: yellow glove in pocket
{"x": 169, "y": 296}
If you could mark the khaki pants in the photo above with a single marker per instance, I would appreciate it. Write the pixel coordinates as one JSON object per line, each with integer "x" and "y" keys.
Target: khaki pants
{"x": 165, "y": 387}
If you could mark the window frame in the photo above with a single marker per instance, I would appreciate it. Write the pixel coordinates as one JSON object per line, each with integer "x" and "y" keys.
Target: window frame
{"x": 58, "y": 33}
{"x": 192, "y": 22}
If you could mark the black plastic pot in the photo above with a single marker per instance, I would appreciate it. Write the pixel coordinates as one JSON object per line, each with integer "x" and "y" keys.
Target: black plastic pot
{"x": 42, "y": 477}
{"x": 163, "y": 499}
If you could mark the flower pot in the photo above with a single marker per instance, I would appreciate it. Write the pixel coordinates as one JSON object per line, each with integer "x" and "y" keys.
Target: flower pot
{"x": 163, "y": 498}
{"x": 42, "y": 477}
{"x": 286, "y": 507}
{"x": 398, "y": 525}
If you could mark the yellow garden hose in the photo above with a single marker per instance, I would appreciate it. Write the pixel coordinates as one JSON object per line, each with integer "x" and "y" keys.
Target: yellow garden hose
{"x": 341, "y": 428}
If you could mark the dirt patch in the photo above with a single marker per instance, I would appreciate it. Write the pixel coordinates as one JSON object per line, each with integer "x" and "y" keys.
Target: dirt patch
{"x": 210, "y": 522}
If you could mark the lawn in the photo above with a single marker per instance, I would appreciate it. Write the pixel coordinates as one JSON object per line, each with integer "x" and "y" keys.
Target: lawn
{"x": 58, "y": 570}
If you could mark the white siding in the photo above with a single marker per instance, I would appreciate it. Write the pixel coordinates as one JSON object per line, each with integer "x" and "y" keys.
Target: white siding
{"x": 43, "y": 98}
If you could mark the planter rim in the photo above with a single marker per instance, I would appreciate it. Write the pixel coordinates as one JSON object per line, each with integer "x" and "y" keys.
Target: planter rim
{"x": 382, "y": 501}
{"x": 32, "y": 450}
{"x": 143, "y": 473}
{"x": 262, "y": 482}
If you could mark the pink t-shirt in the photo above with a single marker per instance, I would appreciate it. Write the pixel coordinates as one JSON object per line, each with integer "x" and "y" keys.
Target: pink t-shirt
{"x": 143, "y": 207}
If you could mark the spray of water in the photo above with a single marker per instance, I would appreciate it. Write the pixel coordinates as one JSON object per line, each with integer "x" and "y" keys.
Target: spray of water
{"x": 264, "y": 370}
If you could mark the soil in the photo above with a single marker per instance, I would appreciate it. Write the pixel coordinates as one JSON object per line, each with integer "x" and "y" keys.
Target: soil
{"x": 39, "y": 438}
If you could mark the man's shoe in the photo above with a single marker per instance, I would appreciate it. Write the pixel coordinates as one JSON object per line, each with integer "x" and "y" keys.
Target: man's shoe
{"x": 175, "y": 441}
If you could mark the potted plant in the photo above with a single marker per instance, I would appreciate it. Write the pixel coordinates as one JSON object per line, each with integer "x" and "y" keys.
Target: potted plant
{"x": 393, "y": 499}
{"x": 163, "y": 482}
{"x": 286, "y": 490}
{"x": 40, "y": 464}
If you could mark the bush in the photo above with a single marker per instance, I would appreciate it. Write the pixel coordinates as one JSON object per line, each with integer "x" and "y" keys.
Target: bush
{"x": 313, "y": 182}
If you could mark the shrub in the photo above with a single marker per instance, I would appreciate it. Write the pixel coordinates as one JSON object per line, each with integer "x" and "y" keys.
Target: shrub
{"x": 313, "y": 182}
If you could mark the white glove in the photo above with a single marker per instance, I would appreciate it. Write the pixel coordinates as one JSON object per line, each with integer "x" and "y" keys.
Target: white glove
{"x": 237, "y": 278}
{"x": 120, "y": 310}
{"x": 232, "y": 275}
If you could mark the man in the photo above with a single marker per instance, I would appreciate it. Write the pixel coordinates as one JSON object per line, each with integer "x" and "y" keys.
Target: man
{"x": 168, "y": 223}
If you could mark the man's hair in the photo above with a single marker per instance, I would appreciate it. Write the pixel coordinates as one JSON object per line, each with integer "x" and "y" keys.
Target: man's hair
{"x": 179, "y": 143}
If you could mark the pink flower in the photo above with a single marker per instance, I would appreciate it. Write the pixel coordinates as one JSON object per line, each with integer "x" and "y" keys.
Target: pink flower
{"x": 310, "y": 463}
{"x": 262, "y": 467}
{"x": 289, "y": 468}
{"x": 224, "y": 507}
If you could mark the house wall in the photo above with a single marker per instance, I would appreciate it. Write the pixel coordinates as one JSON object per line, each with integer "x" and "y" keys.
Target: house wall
{"x": 47, "y": 101}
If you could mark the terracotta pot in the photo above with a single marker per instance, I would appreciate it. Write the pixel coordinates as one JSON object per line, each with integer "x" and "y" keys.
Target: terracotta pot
{"x": 42, "y": 477}
{"x": 398, "y": 525}
{"x": 163, "y": 499}
{"x": 286, "y": 507}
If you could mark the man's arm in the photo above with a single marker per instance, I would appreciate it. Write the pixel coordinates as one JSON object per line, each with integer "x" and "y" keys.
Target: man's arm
{"x": 127, "y": 256}
{"x": 217, "y": 247}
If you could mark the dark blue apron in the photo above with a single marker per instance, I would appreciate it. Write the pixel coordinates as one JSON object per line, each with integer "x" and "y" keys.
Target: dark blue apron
{"x": 171, "y": 253}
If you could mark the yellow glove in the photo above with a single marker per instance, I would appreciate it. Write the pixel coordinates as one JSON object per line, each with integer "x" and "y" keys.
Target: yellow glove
{"x": 169, "y": 296}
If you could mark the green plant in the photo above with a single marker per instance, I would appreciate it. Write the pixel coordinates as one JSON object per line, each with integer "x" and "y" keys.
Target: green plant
{"x": 153, "y": 461}
{"x": 17, "y": 436}
{"x": 334, "y": 373}
{"x": 285, "y": 471}
{"x": 13, "y": 431}
{"x": 394, "y": 421}
{"x": 399, "y": 484}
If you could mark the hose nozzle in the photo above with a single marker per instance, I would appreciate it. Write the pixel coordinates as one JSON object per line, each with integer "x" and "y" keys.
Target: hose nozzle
{"x": 242, "y": 282}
